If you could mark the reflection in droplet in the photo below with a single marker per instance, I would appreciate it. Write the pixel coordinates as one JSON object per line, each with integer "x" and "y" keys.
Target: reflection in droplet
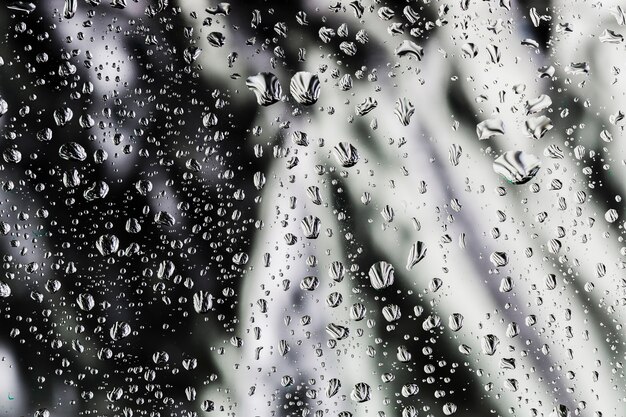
{"x": 381, "y": 275}
{"x": 489, "y": 128}
{"x": 404, "y": 111}
{"x": 305, "y": 87}
{"x": 489, "y": 344}
{"x": 518, "y": 167}
{"x": 265, "y": 87}
{"x": 416, "y": 254}
{"x": 410, "y": 49}
{"x": 120, "y": 330}
{"x": 366, "y": 106}
{"x": 346, "y": 154}
{"x": 361, "y": 392}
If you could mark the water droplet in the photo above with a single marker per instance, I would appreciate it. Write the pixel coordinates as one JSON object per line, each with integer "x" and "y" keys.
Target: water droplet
{"x": 265, "y": 87}
{"x": 72, "y": 151}
{"x": 337, "y": 271}
{"x": 489, "y": 344}
{"x": 311, "y": 227}
{"x": 554, "y": 152}
{"x": 357, "y": 312}
{"x": 537, "y": 127}
{"x": 410, "y": 49}
{"x": 404, "y": 110}
{"x": 97, "y": 190}
{"x": 518, "y": 167}
{"x": 366, "y": 106}
{"x": 403, "y": 354}
{"x": 309, "y": 283}
{"x": 313, "y": 192}
{"x": 69, "y": 8}
{"x": 12, "y": 156}
{"x": 346, "y": 154}
{"x": 107, "y": 244}
{"x": 550, "y": 281}
{"x": 578, "y": 68}
{"x": 560, "y": 411}
{"x": 42, "y": 412}
{"x": 119, "y": 330}
{"x": 337, "y": 332}
{"x": 611, "y": 215}
{"x": 391, "y": 312}
{"x": 538, "y": 104}
{"x": 332, "y": 387}
{"x": 5, "y": 290}
{"x": 361, "y": 392}
{"x": 305, "y": 88}
{"x": 381, "y": 275}
{"x": 499, "y": 259}
{"x": 449, "y": 408}
{"x": 416, "y": 254}
{"x": 22, "y": 6}
{"x": 410, "y": 390}
{"x": 489, "y": 128}
{"x": 455, "y": 322}
{"x": 345, "y": 83}
{"x": 454, "y": 154}
{"x": 202, "y": 302}
{"x": 85, "y": 301}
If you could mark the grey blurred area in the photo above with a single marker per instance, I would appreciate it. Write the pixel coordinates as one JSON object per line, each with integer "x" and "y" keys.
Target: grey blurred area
{"x": 188, "y": 229}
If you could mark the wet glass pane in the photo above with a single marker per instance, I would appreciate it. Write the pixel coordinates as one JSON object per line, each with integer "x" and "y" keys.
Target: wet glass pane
{"x": 312, "y": 208}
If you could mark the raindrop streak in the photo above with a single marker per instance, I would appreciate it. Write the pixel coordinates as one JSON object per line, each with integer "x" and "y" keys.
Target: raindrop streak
{"x": 22, "y": 6}
{"x": 499, "y": 259}
{"x": 454, "y": 154}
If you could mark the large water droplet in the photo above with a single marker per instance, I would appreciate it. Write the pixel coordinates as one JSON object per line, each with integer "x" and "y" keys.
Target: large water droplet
{"x": 361, "y": 392}
{"x": 518, "y": 167}
{"x": 119, "y": 330}
{"x": 381, "y": 275}
{"x": 346, "y": 154}
{"x": 489, "y": 128}
{"x": 305, "y": 87}
{"x": 265, "y": 87}
{"x": 107, "y": 244}
{"x": 72, "y": 151}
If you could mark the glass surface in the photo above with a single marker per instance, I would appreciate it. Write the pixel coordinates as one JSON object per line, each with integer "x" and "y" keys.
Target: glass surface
{"x": 312, "y": 208}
